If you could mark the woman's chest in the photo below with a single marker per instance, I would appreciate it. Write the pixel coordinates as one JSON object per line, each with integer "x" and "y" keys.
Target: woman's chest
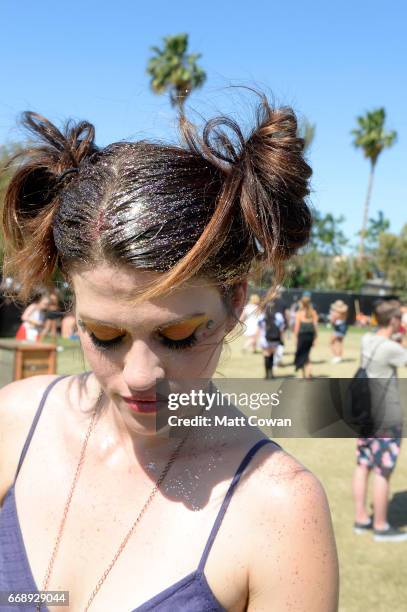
{"x": 112, "y": 539}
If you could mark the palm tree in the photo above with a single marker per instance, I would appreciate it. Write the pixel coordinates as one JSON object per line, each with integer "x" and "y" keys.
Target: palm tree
{"x": 372, "y": 138}
{"x": 173, "y": 70}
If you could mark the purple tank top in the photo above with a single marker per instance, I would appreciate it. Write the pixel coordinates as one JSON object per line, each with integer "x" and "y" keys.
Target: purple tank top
{"x": 190, "y": 594}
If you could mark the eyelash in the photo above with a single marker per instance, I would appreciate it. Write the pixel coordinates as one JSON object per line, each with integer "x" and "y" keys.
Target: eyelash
{"x": 105, "y": 345}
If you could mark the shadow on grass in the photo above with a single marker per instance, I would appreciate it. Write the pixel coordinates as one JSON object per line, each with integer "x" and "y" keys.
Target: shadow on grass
{"x": 398, "y": 509}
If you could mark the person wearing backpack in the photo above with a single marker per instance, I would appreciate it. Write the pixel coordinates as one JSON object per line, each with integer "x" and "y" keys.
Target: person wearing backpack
{"x": 380, "y": 357}
{"x": 270, "y": 323}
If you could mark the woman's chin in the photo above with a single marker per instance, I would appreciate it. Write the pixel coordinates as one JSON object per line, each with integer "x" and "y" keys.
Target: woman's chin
{"x": 144, "y": 424}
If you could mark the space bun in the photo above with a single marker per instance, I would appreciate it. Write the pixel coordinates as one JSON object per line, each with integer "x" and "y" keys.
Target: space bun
{"x": 43, "y": 171}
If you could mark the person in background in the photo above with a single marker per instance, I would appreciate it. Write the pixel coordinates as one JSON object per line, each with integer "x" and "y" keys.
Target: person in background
{"x": 381, "y": 356}
{"x": 306, "y": 331}
{"x": 270, "y": 324}
{"x": 33, "y": 319}
{"x": 50, "y": 326}
{"x": 290, "y": 317}
{"x": 69, "y": 329}
{"x": 250, "y": 317}
{"x": 362, "y": 320}
{"x": 402, "y": 333}
{"x": 338, "y": 315}
{"x": 281, "y": 322}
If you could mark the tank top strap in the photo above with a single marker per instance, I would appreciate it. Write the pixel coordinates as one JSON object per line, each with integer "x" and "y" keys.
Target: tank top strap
{"x": 35, "y": 421}
{"x": 245, "y": 462}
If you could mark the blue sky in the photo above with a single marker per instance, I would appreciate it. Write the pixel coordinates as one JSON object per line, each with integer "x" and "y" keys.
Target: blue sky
{"x": 329, "y": 61}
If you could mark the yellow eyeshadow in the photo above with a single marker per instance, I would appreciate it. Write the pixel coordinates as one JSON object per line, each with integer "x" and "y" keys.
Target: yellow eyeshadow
{"x": 104, "y": 333}
{"x": 179, "y": 331}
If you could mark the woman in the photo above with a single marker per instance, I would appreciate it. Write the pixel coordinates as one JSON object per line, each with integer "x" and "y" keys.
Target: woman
{"x": 33, "y": 319}
{"x": 69, "y": 329}
{"x": 157, "y": 242}
{"x": 306, "y": 331}
{"x": 250, "y": 317}
{"x": 51, "y": 327}
{"x": 337, "y": 316}
{"x": 271, "y": 324}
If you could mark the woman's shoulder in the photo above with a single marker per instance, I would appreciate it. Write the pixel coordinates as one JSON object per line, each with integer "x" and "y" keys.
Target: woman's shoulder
{"x": 293, "y": 519}
{"x": 274, "y": 477}
{"x": 19, "y": 402}
{"x": 276, "y": 469}
{"x": 18, "y": 399}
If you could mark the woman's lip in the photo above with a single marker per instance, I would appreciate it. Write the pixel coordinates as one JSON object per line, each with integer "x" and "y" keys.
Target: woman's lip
{"x": 139, "y": 399}
{"x": 143, "y": 406}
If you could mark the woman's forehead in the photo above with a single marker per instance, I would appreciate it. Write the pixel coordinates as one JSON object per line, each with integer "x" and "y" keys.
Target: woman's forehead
{"x": 106, "y": 291}
{"x": 124, "y": 281}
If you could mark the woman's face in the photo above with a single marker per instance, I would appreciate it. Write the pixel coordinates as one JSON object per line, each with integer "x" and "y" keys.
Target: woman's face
{"x": 44, "y": 303}
{"x": 129, "y": 347}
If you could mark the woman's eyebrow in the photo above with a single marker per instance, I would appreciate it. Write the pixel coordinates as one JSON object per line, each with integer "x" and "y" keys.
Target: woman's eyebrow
{"x": 165, "y": 324}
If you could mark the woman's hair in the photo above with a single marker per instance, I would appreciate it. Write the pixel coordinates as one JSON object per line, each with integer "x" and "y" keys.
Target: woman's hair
{"x": 38, "y": 295}
{"x": 306, "y": 305}
{"x": 212, "y": 206}
{"x": 386, "y": 310}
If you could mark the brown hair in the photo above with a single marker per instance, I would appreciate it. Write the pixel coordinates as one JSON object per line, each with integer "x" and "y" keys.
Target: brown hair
{"x": 386, "y": 310}
{"x": 213, "y": 206}
{"x": 306, "y": 305}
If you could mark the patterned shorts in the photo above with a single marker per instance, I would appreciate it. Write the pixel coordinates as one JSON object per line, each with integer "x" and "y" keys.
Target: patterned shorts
{"x": 379, "y": 454}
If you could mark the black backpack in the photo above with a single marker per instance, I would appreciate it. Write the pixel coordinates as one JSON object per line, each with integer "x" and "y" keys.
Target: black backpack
{"x": 273, "y": 332}
{"x": 360, "y": 417}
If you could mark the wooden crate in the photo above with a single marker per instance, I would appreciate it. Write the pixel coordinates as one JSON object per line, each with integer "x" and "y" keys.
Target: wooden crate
{"x": 21, "y": 359}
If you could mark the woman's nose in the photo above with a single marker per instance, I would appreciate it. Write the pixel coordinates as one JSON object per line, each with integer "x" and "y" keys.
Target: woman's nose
{"x": 141, "y": 367}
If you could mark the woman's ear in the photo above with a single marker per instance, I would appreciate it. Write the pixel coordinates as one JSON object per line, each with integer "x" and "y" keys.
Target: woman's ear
{"x": 237, "y": 302}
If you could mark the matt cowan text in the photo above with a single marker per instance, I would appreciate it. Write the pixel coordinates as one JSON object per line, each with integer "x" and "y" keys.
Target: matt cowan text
{"x": 224, "y": 421}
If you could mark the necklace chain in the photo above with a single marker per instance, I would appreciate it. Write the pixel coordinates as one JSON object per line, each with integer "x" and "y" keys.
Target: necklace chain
{"x": 125, "y": 540}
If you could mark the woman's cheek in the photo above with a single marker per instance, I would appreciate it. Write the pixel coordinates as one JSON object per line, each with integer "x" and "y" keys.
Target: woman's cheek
{"x": 200, "y": 362}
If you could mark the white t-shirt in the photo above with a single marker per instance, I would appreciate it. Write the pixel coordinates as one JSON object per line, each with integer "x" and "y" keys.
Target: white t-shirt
{"x": 388, "y": 356}
{"x": 251, "y": 314}
{"x": 381, "y": 357}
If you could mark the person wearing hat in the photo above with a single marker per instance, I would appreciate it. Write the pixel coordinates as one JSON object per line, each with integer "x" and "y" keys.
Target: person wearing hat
{"x": 338, "y": 315}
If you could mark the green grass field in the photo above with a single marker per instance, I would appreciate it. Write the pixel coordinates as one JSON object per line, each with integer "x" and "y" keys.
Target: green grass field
{"x": 373, "y": 575}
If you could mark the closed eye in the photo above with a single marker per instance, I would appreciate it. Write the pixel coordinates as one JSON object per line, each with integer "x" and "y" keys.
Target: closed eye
{"x": 112, "y": 343}
{"x": 105, "y": 344}
{"x": 183, "y": 343}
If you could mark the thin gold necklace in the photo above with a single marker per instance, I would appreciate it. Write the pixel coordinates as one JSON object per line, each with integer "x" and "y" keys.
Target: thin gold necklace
{"x": 129, "y": 533}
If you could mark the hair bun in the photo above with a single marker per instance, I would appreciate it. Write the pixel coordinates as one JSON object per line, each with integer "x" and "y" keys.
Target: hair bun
{"x": 33, "y": 193}
{"x": 265, "y": 184}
